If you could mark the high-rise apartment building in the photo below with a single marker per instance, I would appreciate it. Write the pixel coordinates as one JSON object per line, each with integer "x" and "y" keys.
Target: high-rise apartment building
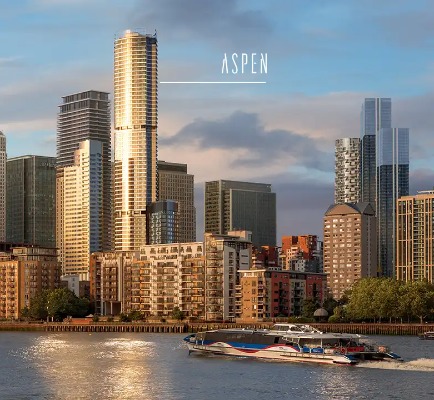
{"x": 83, "y": 219}
{"x": 392, "y": 183}
{"x": 84, "y": 116}
{"x": 231, "y": 205}
{"x": 31, "y": 200}
{"x": 415, "y": 237}
{"x": 135, "y": 120}
{"x": 347, "y": 170}
{"x": 225, "y": 257}
{"x": 174, "y": 183}
{"x": 350, "y": 245}
{"x": 376, "y": 114}
{"x": 2, "y": 187}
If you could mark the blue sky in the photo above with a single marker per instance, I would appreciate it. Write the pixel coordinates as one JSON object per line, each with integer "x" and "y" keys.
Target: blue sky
{"x": 324, "y": 58}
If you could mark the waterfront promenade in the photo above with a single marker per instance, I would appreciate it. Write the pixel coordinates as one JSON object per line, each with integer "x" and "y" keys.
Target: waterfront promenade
{"x": 181, "y": 327}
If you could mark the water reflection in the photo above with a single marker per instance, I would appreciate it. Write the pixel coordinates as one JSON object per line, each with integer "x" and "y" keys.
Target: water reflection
{"x": 81, "y": 366}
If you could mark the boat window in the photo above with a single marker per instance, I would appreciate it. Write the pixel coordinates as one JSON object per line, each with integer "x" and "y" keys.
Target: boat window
{"x": 276, "y": 339}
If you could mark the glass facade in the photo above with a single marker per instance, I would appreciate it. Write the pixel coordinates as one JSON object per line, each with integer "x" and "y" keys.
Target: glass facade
{"x": 376, "y": 114}
{"x": 392, "y": 183}
{"x": 135, "y": 111}
{"x": 234, "y": 206}
{"x": 31, "y": 199}
{"x": 163, "y": 222}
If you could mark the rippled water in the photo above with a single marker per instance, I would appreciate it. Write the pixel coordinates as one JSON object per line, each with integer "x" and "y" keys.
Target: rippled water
{"x": 157, "y": 366}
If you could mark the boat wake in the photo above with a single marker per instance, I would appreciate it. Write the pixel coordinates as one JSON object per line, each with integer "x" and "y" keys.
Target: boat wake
{"x": 421, "y": 364}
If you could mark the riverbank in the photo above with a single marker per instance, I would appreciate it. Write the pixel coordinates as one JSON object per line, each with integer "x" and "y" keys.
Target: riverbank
{"x": 366, "y": 329}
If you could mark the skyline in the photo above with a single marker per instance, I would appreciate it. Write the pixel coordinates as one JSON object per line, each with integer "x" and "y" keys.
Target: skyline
{"x": 323, "y": 60}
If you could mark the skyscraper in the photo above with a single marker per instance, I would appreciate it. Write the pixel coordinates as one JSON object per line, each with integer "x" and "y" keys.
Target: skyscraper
{"x": 83, "y": 212}
{"x": 376, "y": 114}
{"x": 415, "y": 237}
{"x": 392, "y": 183}
{"x": 347, "y": 170}
{"x": 174, "y": 183}
{"x": 163, "y": 222}
{"x": 135, "y": 109}
{"x": 84, "y": 116}
{"x": 31, "y": 200}
{"x": 234, "y": 206}
{"x": 2, "y": 187}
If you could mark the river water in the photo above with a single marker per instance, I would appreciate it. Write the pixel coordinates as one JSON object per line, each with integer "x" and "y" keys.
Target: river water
{"x": 35, "y": 365}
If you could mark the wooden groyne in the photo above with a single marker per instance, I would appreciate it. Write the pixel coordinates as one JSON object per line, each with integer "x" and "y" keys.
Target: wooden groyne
{"x": 167, "y": 327}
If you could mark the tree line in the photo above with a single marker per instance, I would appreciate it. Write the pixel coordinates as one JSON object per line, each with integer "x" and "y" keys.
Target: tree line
{"x": 386, "y": 300}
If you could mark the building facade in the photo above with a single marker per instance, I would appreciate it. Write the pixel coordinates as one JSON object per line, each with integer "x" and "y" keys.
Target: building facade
{"x": 392, "y": 183}
{"x": 347, "y": 170}
{"x": 24, "y": 273}
{"x": 174, "y": 183}
{"x": 231, "y": 205}
{"x": 269, "y": 294}
{"x": 31, "y": 200}
{"x": 415, "y": 237}
{"x": 84, "y": 116}
{"x": 83, "y": 219}
{"x": 376, "y": 114}
{"x": 225, "y": 257}
{"x": 162, "y": 222}
{"x": 3, "y": 157}
{"x": 350, "y": 245}
{"x": 301, "y": 253}
{"x": 135, "y": 120}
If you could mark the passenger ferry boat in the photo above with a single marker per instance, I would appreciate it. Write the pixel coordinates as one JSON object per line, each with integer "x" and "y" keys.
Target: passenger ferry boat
{"x": 290, "y": 342}
{"x": 427, "y": 335}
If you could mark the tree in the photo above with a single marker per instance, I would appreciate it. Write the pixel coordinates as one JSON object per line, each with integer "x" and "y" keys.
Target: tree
{"x": 422, "y": 299}
{"x": 177, "y": 314}
{"x": 309, "y": 307}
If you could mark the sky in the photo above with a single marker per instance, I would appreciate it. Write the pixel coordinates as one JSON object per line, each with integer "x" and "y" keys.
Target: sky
{"x": 323, "y": 58}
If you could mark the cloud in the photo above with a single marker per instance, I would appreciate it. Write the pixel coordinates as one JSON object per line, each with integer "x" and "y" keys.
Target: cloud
{"x": 257, "y": 146}
{"x": 11, "y": 62}
{"x": 221, "y": 22}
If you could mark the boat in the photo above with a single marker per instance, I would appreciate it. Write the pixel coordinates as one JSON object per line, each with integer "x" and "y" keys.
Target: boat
{"x": 427, "y": 336}
{"x": 290, "y": 342}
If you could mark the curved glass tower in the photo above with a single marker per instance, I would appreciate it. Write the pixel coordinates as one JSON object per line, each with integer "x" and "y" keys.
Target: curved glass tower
{"x": 135, "y": 111}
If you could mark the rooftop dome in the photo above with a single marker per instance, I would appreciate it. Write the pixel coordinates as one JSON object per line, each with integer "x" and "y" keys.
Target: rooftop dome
{"x": 321, "y": 312}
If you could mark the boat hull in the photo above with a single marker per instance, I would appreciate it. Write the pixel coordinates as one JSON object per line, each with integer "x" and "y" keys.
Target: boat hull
{"x": 277, "y": 353}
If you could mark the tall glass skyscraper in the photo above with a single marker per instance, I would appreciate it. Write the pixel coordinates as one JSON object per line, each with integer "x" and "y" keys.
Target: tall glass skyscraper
{"x": 31, "y": 200}
{"x": 392, "y": 182}
{"x": 376, "y": 114}
{"x": 135, "y": 109}
{"x": 234, "y": 206}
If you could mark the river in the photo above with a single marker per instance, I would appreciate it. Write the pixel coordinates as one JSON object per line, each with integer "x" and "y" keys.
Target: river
{"x": 39, "y": 365}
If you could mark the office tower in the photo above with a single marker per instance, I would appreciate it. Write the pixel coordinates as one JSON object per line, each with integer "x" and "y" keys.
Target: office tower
{"x": 415, "y": 237}
{"x": 2, "y": 187}
{"x": 135, "y": 109}
{"x": 83, "y": 219}
{"x": 392, "y": 183}
{"x": 31, "y": 200}
{"x": 376, "y": 114}
{"x": 29, "y": 271}
{"x": 163, "y": 222}
{"x": 350, "y": 245}
{"x": 84, "y": 116}
{"x": 174, "y": 183}
{"x": 231, "y": 205}
{"x": 347, "y": 170}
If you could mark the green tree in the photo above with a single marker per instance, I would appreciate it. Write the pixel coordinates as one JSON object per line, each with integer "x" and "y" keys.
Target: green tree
{"x": 329, "y": 304}
{"x": 309, "y": 307}
{"x": 135, "y": 315}
{"x": 422, "y": 299}
{"x": 177, "y": 314}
